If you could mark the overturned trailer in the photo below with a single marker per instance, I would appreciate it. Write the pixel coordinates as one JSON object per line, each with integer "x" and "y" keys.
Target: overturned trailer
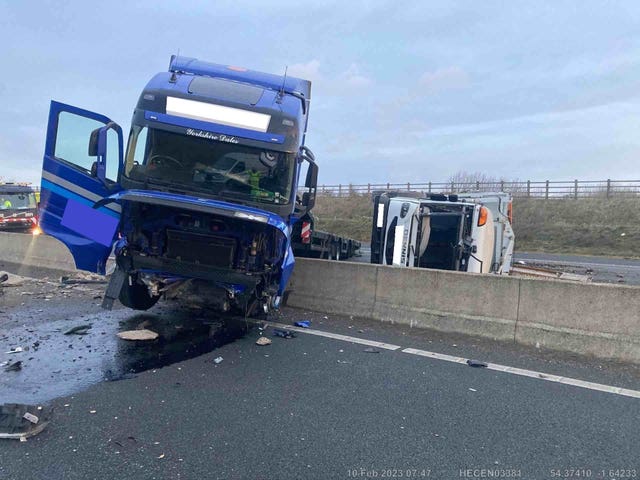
{"x": 468, "y": 232}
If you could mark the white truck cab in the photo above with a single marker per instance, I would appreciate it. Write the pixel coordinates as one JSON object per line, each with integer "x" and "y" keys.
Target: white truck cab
{"x": 469, "y": 232}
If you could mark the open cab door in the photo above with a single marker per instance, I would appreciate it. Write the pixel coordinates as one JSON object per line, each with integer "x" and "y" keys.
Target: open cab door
{"x": 82, "y": 162}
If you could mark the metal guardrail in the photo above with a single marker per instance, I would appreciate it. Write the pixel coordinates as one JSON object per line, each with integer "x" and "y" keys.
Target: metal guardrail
{"x": 534, "y": 189}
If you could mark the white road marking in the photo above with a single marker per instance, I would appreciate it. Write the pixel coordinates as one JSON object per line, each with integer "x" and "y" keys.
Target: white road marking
{"x": 345, "y": 338}
{"x": 453, "y": 359}
{"x": 531, "y": 373}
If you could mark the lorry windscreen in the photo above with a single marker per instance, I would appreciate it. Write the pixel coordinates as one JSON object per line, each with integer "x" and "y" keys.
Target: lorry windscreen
{"x": 205, "y": 165}
{"x": 17, "y": 200}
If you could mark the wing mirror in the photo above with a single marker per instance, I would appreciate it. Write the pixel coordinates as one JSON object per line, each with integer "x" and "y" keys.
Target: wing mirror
{"x": 311, "y": 182}
{"x": 98, "y": 148}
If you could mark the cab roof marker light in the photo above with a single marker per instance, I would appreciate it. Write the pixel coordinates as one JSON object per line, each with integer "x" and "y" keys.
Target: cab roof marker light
{"x": 208, "y": 112}
{"x": 251, "y": 216}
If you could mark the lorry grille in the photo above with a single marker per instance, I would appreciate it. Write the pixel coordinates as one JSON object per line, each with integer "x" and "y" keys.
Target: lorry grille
{"x": 201, "y": 249}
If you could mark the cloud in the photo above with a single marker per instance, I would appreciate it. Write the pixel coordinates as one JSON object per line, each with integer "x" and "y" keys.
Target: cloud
{"x": 448, "y": 78}
{"x": 352, "y": 77}
{"x": 308, "y": 71}
{"x": 331, "y": 84}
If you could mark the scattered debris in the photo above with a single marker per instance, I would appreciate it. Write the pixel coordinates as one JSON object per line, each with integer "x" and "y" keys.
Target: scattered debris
{"x": 18, "y": 421}
{"x": 79, "y": 330}
{"x": 14, "y": 367}
{"x": 303, "y": 323}
{"x": 140, "y": 335}
{"x": 11, "y": 280}
{"x": 15, "y": 350}
{"x": 476, "y": 363}
{"x": 283, "y": 333}
{"x": 371, "y": 350}
{"x": 218, "y": 360}
{"x": 262, "y": 341}
{"x": 161, "y": 456}
{"x": 31, "y": 417}
{"x": 81, "y": 278}
{"x": 472, "y": 389}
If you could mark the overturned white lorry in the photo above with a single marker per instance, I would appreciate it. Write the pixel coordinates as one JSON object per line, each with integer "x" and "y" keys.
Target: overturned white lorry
{"x": 469, "y": 232}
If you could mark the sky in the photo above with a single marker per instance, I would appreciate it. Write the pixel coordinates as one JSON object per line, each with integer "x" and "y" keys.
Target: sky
{"x": 403, "y": 91}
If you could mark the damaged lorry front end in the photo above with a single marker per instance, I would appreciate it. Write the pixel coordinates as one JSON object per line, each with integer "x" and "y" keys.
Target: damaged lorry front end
{"x": 199, "y": 250}
{"x": 201, "y": 203}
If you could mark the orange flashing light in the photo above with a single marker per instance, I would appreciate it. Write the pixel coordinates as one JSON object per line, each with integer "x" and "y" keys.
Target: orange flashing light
{"x": 482, "y": 217}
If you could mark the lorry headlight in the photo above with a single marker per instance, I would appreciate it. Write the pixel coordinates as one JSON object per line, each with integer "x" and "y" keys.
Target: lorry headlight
{"x": 251, "y": 216}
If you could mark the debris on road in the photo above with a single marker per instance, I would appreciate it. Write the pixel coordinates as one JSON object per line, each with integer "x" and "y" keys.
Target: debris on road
{"x": 19, "y": 422}
{"x": 278, "y": 332}
{"x": 79, "y": 330}
{"x": 218, "y": 360}
{"x": 303, "y": 323}
{"x": 140, "y": 335}
{"x": 14, "y": 367}
{"x": 262, "y": 341}
{"x": 80, "y": 278}
{"x": 476, "y": 363}
{"x": 371, "y": 350}
{"x": 11, "y": 280}
{"x": 15, "y": 350}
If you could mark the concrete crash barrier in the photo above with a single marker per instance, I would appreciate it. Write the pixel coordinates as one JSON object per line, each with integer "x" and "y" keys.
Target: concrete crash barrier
{"x": 591, "y": 319}
{"x": 37, "y": 251}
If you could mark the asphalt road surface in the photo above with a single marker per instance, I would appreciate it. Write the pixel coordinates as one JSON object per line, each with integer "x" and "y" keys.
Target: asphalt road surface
{"x": 321, "y": 405}
{"x": 601, "y": 269}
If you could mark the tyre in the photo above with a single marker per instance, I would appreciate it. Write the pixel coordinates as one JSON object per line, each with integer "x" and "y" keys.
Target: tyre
{"x": 136, "y": 295}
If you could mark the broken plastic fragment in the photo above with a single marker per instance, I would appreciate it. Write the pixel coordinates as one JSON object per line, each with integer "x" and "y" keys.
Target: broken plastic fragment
{"x": 15, "y": 350}
{"x": 79, "y": 330}
{"x": 18, "y": 421}
{"x": 476, "y": 363}
{"x": 303, "y": 323}
{"x": 217, "y": 360}
{"x": 140, "y": 335}
{"x": 262, "y": 341}
{"x": 283, "y": 333}
{"x": 14, "y": 367}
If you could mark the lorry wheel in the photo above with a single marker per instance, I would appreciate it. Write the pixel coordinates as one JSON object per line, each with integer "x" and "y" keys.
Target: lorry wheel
{"x": 136, "y": 296}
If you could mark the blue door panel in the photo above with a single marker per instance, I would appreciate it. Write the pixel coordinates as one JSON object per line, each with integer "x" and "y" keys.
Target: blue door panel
{"x": 68, "y": 193}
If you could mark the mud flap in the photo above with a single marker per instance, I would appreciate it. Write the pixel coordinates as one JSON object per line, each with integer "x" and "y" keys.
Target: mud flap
{"x": 118, "y": 278}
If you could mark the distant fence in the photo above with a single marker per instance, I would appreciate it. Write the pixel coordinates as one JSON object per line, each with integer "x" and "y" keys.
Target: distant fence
{"x": 539, "y": 189}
